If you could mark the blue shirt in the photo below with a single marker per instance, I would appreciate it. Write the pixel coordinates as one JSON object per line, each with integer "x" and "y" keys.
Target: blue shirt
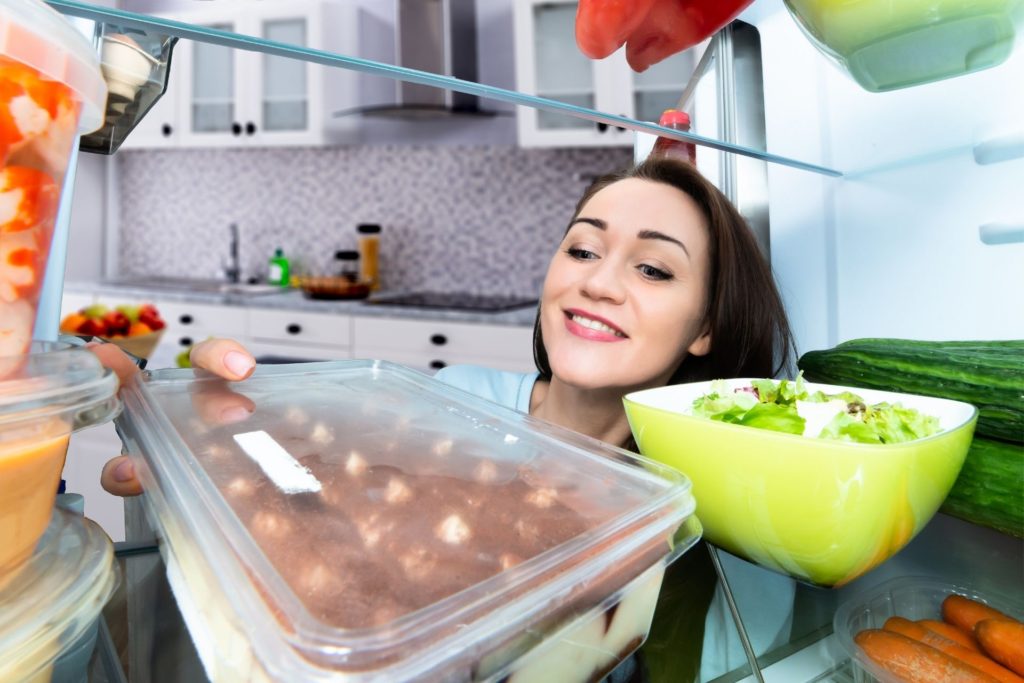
{"x": 764, "y": 598}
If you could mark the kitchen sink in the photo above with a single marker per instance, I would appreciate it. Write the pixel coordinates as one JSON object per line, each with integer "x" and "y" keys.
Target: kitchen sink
{"x": 173, "y": 284}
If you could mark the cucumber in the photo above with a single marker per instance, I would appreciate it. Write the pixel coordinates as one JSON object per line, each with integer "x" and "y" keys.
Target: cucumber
{"x": 988, "y": 374}
{"x": 990, "y": 488}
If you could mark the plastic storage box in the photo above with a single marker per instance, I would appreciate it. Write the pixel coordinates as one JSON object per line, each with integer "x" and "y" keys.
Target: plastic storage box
{"x": 51, "y": 88}
{"x": 47, "y": 611}
{"x": 45, "y": 396}
{"x": 363, "y": 522}
{"x": 909, "y": 597}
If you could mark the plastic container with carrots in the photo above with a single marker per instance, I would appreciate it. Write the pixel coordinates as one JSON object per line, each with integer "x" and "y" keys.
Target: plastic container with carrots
{"x": 929, "y": 629}
{"x": 51, "y": 87}
{"x": 45, "y": 396}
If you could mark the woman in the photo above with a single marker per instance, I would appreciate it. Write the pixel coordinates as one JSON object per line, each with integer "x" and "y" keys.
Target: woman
{"x": 657, "y": 281}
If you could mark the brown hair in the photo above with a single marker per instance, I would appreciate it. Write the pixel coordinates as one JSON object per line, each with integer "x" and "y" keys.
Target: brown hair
{"x": 750, "y": 335}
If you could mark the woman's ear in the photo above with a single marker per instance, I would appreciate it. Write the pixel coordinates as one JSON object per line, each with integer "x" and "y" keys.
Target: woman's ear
{"x": 701, "y": 346}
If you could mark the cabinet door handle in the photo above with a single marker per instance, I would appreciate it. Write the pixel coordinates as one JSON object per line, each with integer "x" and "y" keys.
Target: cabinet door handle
{"x": 437, "y": 364}
{"x": 166, "y": 130}
{"x": 294, "y": 328}
{"x": 250, "y": 128}
{"x": 185, "y": 341}
{"x": 438, "y": 339}
{"x": 601, "y": 126}
{"x": 185, "y": 319}
{"x": 236, "y": 128}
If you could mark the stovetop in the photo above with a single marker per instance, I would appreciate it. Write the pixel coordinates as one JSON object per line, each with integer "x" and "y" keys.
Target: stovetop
{"x": 455, "y": 300}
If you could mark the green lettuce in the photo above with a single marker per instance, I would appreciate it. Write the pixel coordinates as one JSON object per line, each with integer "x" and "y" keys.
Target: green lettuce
{"x": 767, "y": 404}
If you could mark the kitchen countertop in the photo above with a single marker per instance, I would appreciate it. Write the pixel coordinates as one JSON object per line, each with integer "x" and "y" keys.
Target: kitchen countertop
{"x": 293, "y": 300}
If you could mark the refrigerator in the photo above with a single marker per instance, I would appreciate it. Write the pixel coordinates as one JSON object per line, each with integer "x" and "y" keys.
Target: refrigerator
{"x": 918, "y": 234}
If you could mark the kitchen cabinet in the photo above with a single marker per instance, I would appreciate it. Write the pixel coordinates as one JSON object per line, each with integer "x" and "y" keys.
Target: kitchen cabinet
{"x": 220, "y": 97}
{"x": 429, "y": 345}
{"x": 301, "y": 328}
{"x": 549, "y": 66}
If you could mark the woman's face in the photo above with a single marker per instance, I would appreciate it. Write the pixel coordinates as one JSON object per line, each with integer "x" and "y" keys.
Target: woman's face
{"x": 624, "y": 297}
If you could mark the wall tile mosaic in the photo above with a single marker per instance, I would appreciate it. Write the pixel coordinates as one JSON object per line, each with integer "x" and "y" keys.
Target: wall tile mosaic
{"x": 484, "y": 220}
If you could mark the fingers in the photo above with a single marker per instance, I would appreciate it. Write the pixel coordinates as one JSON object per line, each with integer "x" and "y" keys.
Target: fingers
{"x": 223, "y": 357}
{"x": 222, "y": 407}
{"x": 118, "y": 477}
{"x": 114, "y": 358}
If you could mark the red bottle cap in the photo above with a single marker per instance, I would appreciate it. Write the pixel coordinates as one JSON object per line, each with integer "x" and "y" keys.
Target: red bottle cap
{"x": 673, "y": 118}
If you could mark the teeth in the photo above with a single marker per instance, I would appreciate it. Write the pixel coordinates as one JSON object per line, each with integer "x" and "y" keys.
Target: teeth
{"x": 595, "y": 325}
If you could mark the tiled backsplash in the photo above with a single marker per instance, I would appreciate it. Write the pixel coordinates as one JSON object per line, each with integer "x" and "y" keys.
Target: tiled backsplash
{"x": 477, "y": 219}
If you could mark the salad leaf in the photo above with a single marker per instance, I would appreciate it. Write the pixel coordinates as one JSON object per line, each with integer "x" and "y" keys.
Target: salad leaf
{"x": 767, "y": 404}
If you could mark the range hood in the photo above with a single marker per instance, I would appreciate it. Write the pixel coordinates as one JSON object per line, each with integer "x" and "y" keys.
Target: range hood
{"x": 439, "y": 37}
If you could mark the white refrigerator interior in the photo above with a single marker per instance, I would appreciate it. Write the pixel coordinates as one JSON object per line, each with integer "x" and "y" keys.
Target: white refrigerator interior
{"x": 923, "y": 236}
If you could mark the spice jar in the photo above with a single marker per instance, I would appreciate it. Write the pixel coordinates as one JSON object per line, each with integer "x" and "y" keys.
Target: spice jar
{"x": 348, "y": 264}
{"x": 369, "y": 253}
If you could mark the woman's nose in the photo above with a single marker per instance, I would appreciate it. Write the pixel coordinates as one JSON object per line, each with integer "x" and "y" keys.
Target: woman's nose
{"x": 604, "y": 281}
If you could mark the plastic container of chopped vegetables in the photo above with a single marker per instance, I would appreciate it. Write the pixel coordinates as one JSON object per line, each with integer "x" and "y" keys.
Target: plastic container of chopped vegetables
{"x": 51, "y": 89}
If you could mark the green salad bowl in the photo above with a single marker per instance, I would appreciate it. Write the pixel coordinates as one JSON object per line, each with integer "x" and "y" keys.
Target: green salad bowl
{"x": 822, "y": 511}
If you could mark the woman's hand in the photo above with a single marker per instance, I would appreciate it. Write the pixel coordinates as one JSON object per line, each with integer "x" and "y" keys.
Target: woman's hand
{"x": 223, "y": 357}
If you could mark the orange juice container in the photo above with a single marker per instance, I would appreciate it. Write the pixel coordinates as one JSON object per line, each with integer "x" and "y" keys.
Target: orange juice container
{"x": 45, "y": 396}
{"x": 51, "y": 89}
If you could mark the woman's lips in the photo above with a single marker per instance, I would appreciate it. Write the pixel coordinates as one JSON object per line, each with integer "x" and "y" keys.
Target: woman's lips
{"x": 592, "y": 327}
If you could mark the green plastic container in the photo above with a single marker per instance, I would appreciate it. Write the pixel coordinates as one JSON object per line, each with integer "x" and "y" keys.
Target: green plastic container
{"x": 887, "y": 45}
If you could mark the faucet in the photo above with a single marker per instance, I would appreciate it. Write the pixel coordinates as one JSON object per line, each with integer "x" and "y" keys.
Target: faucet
{"x": 233, "y": 271}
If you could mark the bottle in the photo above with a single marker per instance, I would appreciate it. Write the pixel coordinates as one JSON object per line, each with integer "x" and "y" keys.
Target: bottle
{"x": 348, "y": 264}
{"x": 279, "y": 270}
{"x": 678, "y": 120}
{"x": 369, "y": 253}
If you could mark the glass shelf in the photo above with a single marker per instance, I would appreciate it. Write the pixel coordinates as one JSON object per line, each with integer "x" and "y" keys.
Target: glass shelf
{"x": 243, "y": 42}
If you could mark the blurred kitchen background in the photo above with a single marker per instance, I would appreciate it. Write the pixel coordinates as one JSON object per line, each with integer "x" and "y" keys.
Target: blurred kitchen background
{"x": 459, "y": 198}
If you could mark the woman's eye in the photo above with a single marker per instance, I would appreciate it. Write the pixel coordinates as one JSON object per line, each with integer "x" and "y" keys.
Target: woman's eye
{"x": 580, "y": 254}
{"x": 653, "y": 273}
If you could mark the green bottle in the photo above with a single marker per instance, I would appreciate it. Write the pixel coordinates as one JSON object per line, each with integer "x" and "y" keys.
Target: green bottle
{"x": 279, "y": 274}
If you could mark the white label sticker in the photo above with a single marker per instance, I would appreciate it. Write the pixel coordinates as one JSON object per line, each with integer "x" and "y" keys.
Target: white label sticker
{"x": 277, "y": 463}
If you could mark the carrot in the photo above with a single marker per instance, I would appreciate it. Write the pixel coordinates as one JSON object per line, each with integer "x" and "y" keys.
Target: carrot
{"x": 965, "y": 613}
{"x": 977, "y": 660}
{"x": 958, "y": 635}
{"x": 1003, "y": 641}
{"x": 915, "y": 662}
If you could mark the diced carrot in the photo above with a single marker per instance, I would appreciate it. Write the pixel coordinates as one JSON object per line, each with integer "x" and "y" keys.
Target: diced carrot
{"x": 915, "y": 662}
{"x": 1003, "y": 641}
{"x": 964, "y": 638}
{"x": 964, "y": 612}
{"x": 912, "y": 629}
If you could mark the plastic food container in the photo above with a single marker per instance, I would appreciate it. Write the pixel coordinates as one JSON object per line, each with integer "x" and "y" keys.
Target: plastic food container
{"x": 51, "y": 88}
{"x": 50, "y": 608}
{"x": 821, "y": 511}
{"x": 888, "y": 45}
{"x": 908, "y": 597}
{"x": 359, "y": 521}
{"x": 47, "y": 394}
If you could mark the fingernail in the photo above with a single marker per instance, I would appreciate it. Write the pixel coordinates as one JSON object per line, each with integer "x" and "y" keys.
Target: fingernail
{"x": 125, "y": 471}
{"x": 234, "y": 414}
{"x": 238, "y": 362}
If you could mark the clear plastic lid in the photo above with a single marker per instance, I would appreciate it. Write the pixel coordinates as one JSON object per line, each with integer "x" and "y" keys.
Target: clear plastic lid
{"x": 40, "y": 37}
{"x": 366, "y": 519}
{"x": 55, "y": 380}
{"x": 56, "y": 595}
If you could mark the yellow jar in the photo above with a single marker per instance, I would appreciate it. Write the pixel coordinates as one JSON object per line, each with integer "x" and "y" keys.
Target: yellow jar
{"x": 369, "y": 254}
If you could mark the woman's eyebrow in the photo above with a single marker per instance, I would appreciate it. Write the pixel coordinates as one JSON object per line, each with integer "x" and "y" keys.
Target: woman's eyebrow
{"x": 596, "y": 222}
{"x": 655, "y": 235}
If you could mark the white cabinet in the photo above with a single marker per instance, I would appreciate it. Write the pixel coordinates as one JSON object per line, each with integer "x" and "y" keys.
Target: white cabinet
{"x": 223, "y": 97}
{"x": 549, "y": 66}
{"x": 428, "y": 345}
{"x": 300, "y": 334}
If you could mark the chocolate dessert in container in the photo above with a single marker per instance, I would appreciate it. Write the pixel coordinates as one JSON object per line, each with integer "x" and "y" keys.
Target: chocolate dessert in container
{"x": 358, "y": 521}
